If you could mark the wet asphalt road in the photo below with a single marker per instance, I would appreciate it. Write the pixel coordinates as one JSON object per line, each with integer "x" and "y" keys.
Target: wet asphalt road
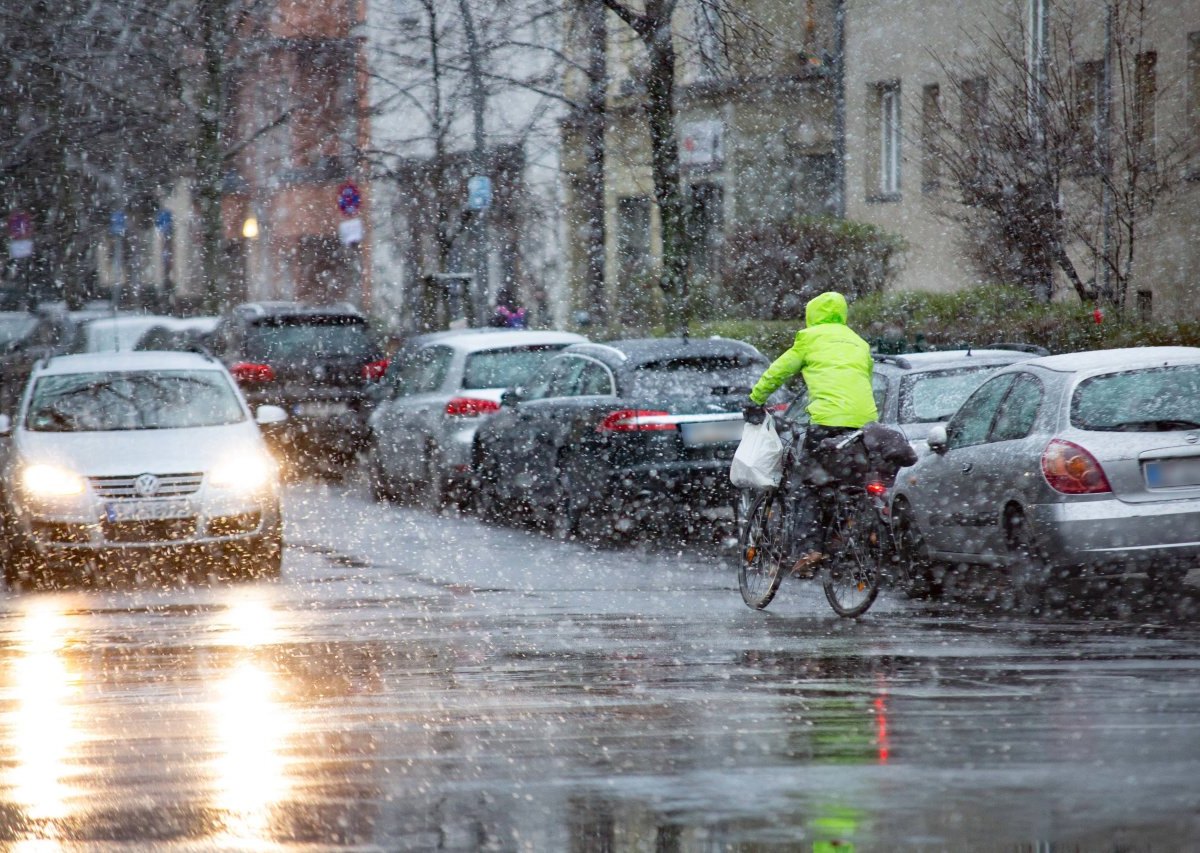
{"x": 422, "y": 683}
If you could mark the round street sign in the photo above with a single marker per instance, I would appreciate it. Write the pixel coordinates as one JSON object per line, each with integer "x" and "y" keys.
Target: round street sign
{"x": 349, "y": 199}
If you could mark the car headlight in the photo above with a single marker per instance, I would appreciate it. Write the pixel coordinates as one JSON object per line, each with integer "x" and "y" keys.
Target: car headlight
{"x": 249, "y": 473}
{"x": 51, "y": 481}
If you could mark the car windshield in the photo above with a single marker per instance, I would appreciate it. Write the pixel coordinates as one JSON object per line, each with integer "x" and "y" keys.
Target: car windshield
{"x": 936, "y": 395}
{"x": 696, "y": 376}
{"x": 506, "y": 368}
{"x": 132, "y": 400}
{"x": 14, "y": 328}
{"x": 298, "y": 338}
{"x": 1153, "y": 400}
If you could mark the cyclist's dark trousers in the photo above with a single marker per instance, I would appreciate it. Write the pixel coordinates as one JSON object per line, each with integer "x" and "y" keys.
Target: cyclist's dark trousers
{"x": 810, "y": 527}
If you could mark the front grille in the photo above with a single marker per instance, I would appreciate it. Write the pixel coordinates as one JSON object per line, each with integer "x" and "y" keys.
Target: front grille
{"x": 231, "y": 525}
{"x": 169, "y": 485}
{"x": 61, "y": 532}
{"x": 169, "y": 530}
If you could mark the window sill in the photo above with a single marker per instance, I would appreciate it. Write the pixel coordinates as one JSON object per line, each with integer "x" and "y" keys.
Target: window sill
{"x": 883, "y": 198}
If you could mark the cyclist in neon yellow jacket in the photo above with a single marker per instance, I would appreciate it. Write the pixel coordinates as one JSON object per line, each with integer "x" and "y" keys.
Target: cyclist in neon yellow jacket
{"x": 835, "y": 363}
{"x": 836, "y": 366}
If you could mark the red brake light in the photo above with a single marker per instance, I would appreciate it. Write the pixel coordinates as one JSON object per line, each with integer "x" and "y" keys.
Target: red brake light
{"x": 245, "y": 371}
{"x": 636, "y": 420}
{"x": 1071, "y": 470}
{"x": 470, "y": 407}
{"x": 373, "y": 370}
{"x": 876, "y": 488}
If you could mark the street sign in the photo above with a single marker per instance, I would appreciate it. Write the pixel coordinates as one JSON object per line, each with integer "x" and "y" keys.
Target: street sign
{"x": 116, "y": 223}
{"x": 479, "y": 192}
{"x": 349, "y": 199}
{"x": 20, "y": 225}
{"x": 350, "y": 231}
{"x": 164, "y": 222}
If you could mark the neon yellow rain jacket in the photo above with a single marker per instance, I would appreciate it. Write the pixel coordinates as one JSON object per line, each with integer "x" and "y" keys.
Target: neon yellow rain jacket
{"x": 835, "y": 363}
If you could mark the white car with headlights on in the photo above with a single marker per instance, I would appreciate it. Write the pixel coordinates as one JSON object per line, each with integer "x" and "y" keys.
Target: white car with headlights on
{"x": 116, "y": 458}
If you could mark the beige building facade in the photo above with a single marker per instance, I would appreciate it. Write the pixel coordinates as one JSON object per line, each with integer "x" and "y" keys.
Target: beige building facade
{"x": 899, "y": 55}
{"x": 756, "y": 127}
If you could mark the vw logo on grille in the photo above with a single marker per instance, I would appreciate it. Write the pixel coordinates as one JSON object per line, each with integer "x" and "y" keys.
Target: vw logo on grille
{"x": 146, "y": 485}
{"x": 318, "y": 372}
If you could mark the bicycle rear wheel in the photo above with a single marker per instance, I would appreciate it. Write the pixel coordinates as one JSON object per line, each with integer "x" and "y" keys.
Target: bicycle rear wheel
{"x": 855, "y": 546}
{"x": 762, "y": 548}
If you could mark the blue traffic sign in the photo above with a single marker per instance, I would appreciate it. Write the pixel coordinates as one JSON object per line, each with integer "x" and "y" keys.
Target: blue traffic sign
{"x": 116, "y": 223}
{"x": 479, "y": 192}
{"x": 164, "y": 222}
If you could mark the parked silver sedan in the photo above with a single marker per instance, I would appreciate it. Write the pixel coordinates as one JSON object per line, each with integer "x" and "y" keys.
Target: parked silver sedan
{"x": 437, "y": 391}
{"x": 1087, "y": 461}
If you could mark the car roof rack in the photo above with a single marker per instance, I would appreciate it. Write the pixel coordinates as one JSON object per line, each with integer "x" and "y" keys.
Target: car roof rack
{"x": 1032, "y": 349}
{"x": 902, "y": 363}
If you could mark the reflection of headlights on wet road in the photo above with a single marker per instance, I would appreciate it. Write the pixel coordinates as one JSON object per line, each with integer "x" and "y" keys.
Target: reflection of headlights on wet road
{"x": 247, "y": 473}
{"x": 50, "y": 481}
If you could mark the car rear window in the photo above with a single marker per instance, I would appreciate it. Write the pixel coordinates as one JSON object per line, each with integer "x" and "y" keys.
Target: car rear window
{"x": 696, "y": 376}
{"x": 134, "y": 400}
{"x": 935, "y": 395}
{"x": 299, "y": 338}
{"x": 1151, "y": 400}
{"x": 508, "y": 367}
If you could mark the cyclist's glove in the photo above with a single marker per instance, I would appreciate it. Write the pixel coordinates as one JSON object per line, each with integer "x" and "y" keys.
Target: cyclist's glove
{"x": 754, "y": 413}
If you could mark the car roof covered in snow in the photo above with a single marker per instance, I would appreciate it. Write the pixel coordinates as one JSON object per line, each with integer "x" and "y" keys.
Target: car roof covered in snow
{"x": 1129, "y": 358}
{"x": 106, "y": 362}
{"x": 632, "y": 352}
{"x": 477, "y": 340}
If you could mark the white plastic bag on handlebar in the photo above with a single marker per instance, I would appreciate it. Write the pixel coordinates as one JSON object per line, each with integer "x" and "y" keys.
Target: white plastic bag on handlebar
{"x": 758, "y": 462}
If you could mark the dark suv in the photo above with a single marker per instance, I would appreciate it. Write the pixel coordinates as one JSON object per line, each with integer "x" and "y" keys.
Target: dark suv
{"x": 317, "y": 362}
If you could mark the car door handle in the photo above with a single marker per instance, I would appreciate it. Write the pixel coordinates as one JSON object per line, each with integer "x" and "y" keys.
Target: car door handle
{"x": 966, "y": 467}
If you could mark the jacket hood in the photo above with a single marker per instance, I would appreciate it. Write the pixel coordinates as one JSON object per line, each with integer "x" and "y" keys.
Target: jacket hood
{"x": 829, "y": 307}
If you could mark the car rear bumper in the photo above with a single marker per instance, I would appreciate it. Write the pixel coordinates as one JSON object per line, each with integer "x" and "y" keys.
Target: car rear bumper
{"x": 690, "y": 485}
{"x": 1100, "y": 532}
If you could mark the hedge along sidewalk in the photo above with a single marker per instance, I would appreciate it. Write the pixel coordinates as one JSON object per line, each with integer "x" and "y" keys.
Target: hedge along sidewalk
{"x": 902, "y": 321}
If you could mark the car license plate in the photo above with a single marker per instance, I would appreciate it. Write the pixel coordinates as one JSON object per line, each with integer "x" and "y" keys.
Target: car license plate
{"x": 321, "y": 409}
{"x": 1172, "y": 473}
{"x": 701, "y": 433}
{"x": 148, "y": 510}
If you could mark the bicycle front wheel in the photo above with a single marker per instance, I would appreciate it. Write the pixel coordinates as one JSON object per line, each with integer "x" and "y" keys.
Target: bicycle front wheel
{"x": 856, "y": 549}
{"x": 762, "y": 549}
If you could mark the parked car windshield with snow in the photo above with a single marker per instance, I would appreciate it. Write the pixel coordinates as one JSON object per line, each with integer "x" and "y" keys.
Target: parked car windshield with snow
{"x": 163, "y": 399}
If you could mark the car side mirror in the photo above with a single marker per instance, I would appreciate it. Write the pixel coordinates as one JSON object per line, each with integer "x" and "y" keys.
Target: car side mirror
{"x": 511, "y": 397}
{"x": 267, "y": 415}
{"x": 938, "y": 439}
{"x": 6, "y": 426}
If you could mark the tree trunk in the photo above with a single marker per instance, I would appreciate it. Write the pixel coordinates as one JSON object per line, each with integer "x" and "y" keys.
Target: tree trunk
{"x": 659, "y": 108}
{"x": 210, "y": 155}
{"x": 592, "y": 125}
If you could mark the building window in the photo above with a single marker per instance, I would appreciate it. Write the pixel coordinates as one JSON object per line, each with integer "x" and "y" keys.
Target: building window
{"x": 889, "y": 141}
{"x": 1035, "y": 58}
{"x": 931, "y": 115}
{"x": 1145, "y": 94}
{"x": 633, "y": 238}
{"x": 1089, "y": 111}
{"x": 974, "y": 123}
{"x": 1192, "y": 127}
{"x": 706, "y": 224}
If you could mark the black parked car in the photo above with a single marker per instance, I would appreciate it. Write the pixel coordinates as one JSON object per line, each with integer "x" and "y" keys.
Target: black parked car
{"x": 608, "y": 437}
{"x": 316, "y": 362}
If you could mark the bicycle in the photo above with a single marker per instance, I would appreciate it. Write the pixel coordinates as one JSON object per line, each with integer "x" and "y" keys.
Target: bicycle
{"x": 858, "y": 542}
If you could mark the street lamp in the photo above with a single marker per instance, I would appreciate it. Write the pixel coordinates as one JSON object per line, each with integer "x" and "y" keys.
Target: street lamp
{"x": 250, "y": 227}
